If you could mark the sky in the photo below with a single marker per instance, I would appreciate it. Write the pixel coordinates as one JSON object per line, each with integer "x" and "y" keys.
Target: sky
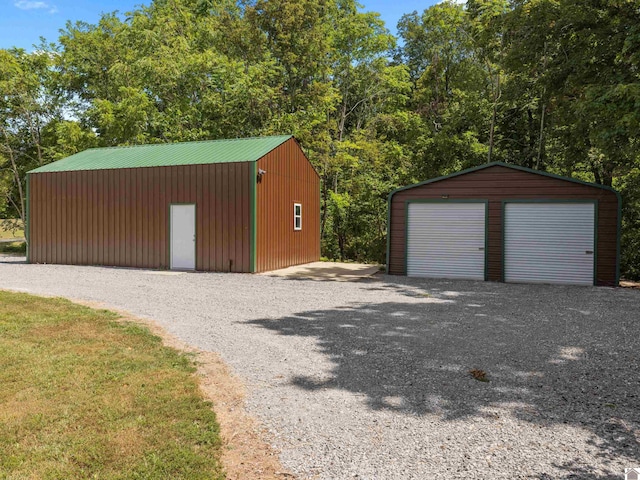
{"x": 23, "y": 22}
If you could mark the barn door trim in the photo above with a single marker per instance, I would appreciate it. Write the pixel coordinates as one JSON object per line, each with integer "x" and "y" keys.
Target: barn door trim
{"x": 595, "y": 204}
{"x": 442, "y": 201}
{"x": 27, "y": 229}
{"x": 253, "y": 216}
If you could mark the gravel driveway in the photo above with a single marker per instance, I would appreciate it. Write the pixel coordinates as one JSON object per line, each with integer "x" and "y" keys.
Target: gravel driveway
{"x": 371, "y": 379}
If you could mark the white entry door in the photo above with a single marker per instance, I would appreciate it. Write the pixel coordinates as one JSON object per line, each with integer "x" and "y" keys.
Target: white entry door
{"x": 183, "y": 237}
{"x": 446, "y": 240}
{"x": 549, "y": 243}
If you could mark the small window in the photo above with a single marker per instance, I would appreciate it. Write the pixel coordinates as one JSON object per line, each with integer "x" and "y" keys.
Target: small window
{"x": 297, "y": 216}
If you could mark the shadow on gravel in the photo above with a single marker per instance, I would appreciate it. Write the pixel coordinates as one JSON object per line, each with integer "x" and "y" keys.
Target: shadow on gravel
{"x": 552, "y": 355}
{"x": 10, "y": 258}
{"x": 578, "y": 472}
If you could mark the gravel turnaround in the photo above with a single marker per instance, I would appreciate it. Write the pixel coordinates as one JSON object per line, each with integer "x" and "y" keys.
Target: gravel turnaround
{"x": 371, "y": 379}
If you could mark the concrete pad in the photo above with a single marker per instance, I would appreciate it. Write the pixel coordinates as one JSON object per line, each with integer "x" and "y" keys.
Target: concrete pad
{"x": 629, "y": 284}
{"x": 165, "y": 273}
{"x": 344, "y": 272}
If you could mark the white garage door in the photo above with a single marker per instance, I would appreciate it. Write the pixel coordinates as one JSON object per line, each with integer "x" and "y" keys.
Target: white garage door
{"x": 446, "y": 240}
{"x": 549, "y": 243}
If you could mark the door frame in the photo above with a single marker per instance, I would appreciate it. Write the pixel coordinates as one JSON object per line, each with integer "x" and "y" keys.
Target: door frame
{"x": 595, "y": 204}
{"x": 444, "y": 201}
{"x": 195, "y": 236}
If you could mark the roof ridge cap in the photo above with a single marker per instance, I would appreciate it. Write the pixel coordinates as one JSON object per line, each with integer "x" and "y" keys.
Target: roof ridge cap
{"x": 115, "y": 147}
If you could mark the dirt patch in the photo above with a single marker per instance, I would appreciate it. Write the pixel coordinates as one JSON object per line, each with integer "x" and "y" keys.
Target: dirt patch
{"x": 246, "y": 455}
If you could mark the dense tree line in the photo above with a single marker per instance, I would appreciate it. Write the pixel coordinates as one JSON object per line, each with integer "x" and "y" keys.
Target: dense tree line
{"x": 548, "y": 84}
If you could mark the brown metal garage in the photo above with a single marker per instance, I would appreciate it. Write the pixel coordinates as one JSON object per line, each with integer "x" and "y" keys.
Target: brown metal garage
{"x": 242, "y": 205}
{"x": 502, "y": 222}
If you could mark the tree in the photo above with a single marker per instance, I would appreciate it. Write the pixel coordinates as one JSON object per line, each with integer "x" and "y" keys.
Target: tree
{"x": 586, "y": 52}
{"x": 164, "y": 74}
{"x": 29, "y": 110}
{"x": 452, "y": 90}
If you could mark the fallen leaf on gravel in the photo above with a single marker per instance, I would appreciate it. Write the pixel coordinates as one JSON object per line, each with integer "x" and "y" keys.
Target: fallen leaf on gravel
{"x": 479, "y": 375}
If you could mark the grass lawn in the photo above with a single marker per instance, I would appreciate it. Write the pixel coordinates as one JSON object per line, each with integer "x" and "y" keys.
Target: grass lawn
{"x": 13, "y": 247}
{"x": 85, "y": 396}
{"x": 4, "y": 233}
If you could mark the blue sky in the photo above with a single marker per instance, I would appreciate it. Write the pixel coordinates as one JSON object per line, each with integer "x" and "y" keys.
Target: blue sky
{"x": 23, "y": 22}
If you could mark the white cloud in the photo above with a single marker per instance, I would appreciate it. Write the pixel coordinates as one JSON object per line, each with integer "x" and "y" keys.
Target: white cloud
{"x": 35, "y": 5}
{"x": 27, "y": 5}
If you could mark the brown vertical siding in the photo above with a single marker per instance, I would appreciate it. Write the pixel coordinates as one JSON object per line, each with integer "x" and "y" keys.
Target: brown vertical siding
{"x": 140, "y": 212}
{"x": 121, "y": 217}
{"x": 206, "y": 221}
{"x": 199, "y": 229}
{"x": 496, "y": 184}
{"x": 217, "y": 217}
{"x": 290, "y": 179}
{"x": 35, "y": 198}
{"x": 223, "y": 199}
{"x": 88, "y": 218}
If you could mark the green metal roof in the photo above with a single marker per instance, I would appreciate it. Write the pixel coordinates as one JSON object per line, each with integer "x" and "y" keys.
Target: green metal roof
{"x": 168, "y": 154}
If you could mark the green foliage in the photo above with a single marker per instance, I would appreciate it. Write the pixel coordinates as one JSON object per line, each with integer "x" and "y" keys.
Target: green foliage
{"x": 13, "y": 247}
{"x": 629, "y": 187}
{"x": 10, "y": 228}
{"x": 547, "y": 84}
{"x": 27, "y": 106}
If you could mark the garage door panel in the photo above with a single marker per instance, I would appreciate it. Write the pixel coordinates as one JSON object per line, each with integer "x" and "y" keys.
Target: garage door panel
{"x": 549, "y": 242}
{"x": 446, "y": 240}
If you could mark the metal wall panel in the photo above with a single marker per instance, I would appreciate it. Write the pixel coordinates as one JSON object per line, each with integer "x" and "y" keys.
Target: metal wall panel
{"x": 549, "y": 243}
{"x": 120, "y": 217}
{"x": 446, "y": 240}
{"x": 289, "y": 179}
{"x": 497, "y": 184}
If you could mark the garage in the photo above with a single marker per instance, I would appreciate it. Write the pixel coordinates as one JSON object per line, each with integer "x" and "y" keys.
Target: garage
{"x": 234, "y": 205}
{"x": 446, "y": 240}
{"x": 506, "y": 223}
{"x": 549, "y": 242}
